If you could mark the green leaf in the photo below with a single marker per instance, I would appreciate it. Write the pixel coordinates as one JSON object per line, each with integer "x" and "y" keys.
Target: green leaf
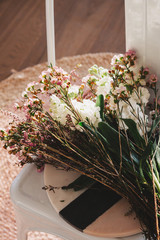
{"x": 100, "y": 103}
{"x": 158, "y": 158}
{"x": 111, "y": 121}
{"x": 86, "y": 126}
{"x": 134, "y": 133}
{"x": 154, "y": 125}
{"x": 112, "y": 136}
{"x": 143, "y": 160}
{"x": 111, "y": 145}
{"x": 95, "y": 133}
{"x": 135, "y": 158}
{"x": 147, "y": 151}
{"x": 80, "y": 183}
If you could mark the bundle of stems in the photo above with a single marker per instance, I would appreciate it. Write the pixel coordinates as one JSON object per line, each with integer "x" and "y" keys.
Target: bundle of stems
{"x": 121, "y": 152}
{"x": 112, "y": 158}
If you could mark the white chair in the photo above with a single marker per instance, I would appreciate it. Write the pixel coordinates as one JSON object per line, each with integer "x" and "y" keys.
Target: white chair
{"x": 32, "y": 207}
{"x": 34, "y": 212}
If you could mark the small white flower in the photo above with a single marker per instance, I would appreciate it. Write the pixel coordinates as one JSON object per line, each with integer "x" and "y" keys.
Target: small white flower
{"x": 73, "y": 89}
{"x": 144, "y": 94}
{"x": 135, "y": 68}
{"x": 87, "y": 109}
{"x": 58, "y": 109}
{"x": 93, "y": 70}
{"x": 104, "y": 85}
{"x": 24, "y": 93}
{"x": 112, "y": 104}
{"x": 64, "y": 85}
{"x": 129, "y": 79}
{"x": 120, "y": 89}
{"x": 49, "y": 70}
{"x": 103, "y": 72}
{"x": 116, "y": 57}
{"x": 142, "y": 82}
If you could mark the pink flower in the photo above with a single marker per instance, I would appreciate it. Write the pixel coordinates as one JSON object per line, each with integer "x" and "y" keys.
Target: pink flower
{"x": 42, "y": 138}
{"x": 49, "y": 70}
{"x": 40, "y": 169}
{"x": 158, "y": 102}
{"x": 25, "y": 136}
{"x": 13, "y": 146}
{"x": 53, "y": 80}
{"x": 16, "y": 106}
{"x": 59, "y": 95}
{"x": 8, "y": 130}
{"x": 130, "y": 53}
{"x": 120, "y": 89}
{"x": 30, "y": 102}
{"x": 66, "y": 78}
{"x": 44, "y": 75}
{"x": 116, "y": 58}
{"x": 1, "y": 133}
{"x": 153, "y": 78}
{"x": 146, "y": 70}
{"x": 31, "y": 144}
{"x": 59, "y": 82}
{"x": 59, "y": 70}
{"x": 31, "y": 84}
{"x": 64, "y": 85}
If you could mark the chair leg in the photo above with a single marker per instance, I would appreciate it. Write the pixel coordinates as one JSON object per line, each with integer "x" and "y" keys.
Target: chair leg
{"x": 22, "y": 227}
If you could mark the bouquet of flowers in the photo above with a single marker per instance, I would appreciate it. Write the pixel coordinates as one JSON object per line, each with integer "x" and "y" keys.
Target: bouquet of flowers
{"x": 104, "y": 126}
